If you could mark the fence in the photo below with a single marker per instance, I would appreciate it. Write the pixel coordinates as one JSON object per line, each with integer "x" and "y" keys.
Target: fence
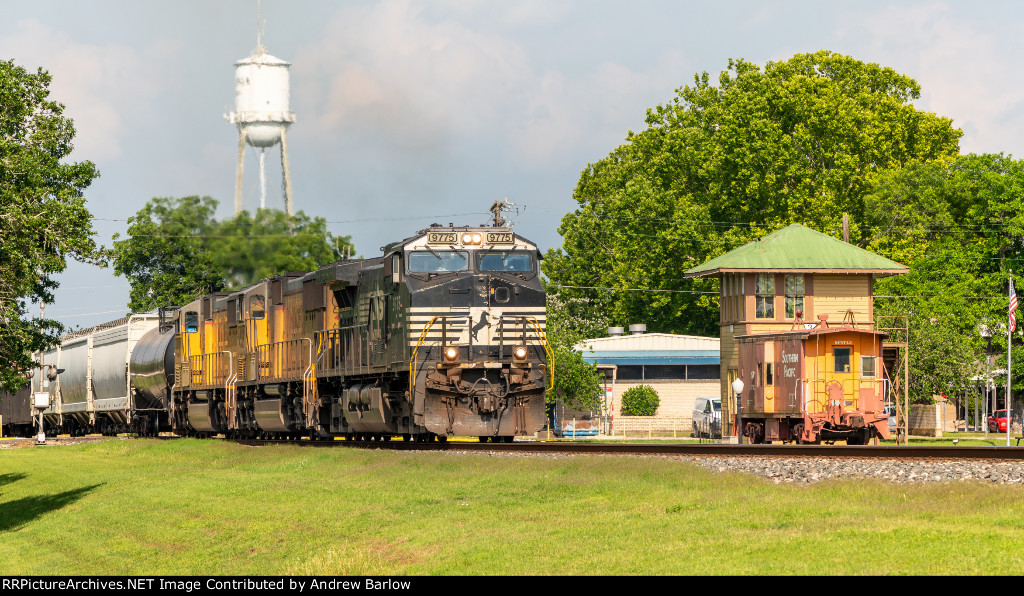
{"x": 650, "y": 426}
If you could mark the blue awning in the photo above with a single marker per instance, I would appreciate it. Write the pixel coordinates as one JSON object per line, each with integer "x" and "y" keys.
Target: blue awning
{"x": 653, "y": 357}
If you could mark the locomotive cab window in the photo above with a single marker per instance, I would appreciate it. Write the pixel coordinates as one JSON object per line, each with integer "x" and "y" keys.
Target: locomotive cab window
{"x": 191, "y": 321}
{"x": 437, "y": 261}
{"x": 514, "y": 261}
{"x": 257, "y": 307}
{"x": 842, "y": 359}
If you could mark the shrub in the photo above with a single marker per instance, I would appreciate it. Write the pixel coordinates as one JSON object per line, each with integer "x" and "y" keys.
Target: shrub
{"x": 641, "y": 400}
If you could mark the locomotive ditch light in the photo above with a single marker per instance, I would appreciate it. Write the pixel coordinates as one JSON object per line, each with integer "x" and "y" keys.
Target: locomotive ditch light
{"x": 519, "y": 352}
{"x": 451, "y": 353}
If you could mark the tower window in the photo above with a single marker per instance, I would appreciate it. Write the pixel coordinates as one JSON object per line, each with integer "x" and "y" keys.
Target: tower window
{"x": 764, "y": 288}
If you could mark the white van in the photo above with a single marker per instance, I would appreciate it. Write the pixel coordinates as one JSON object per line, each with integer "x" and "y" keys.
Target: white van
{"x": 707, "y": 417}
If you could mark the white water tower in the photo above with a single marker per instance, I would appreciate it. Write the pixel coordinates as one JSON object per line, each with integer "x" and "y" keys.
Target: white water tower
{"x": 262, "y": 115}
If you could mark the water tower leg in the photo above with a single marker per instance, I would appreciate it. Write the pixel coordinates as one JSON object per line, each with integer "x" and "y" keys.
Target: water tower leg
{"x": 286, "y": 173}
{"x": 238, "y": 171}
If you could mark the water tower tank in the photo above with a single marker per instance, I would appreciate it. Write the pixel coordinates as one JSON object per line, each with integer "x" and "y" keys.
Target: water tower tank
{"x": 262, "y": 98}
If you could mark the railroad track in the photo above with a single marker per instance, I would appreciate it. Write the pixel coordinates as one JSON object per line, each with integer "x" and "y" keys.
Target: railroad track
{"x": 685, "y": 449}
{"x": 677, "y": 449}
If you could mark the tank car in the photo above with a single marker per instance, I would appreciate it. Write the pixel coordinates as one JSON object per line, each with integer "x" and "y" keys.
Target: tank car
{"x": 441, "y": 336}
{"x": 812, "y": 385}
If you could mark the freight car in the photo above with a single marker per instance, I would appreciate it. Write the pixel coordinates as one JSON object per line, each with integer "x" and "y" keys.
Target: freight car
{"x": 16, "y": 416}
{"x": 811, "y": 385}
{"x": 441, "y": 336}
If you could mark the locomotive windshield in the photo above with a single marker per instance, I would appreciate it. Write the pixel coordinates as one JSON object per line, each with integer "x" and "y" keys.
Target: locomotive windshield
{"x": 438, "y": 261}
{"x": 516, "y": 261}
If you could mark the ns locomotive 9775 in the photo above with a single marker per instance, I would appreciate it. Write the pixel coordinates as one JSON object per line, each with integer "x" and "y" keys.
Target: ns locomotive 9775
{"x": 441, "y": 336}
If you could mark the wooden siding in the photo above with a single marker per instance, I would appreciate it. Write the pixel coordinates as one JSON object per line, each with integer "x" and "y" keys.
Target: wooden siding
{"x": 835, "y": 294}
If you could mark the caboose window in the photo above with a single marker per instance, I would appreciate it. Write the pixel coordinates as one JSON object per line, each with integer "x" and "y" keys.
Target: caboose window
{"x": 436, "y": 261}
{"x": 504, "y": 261}
{"x": 842, "y": 359}
{"x": 794, "y": 294}
{"x": 764, "y": 288}
{"x": 867, "y": 366}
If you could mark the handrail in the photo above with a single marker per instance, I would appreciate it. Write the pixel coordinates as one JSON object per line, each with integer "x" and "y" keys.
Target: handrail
{"x": 543, "y": 336}
{"x": 208, "y": 363}
{"x": 271, "y": 350}
{"x": 415, "y": 357}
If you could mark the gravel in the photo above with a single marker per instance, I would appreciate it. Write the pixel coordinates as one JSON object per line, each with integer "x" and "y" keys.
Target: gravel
{"x": 814, "y": 469}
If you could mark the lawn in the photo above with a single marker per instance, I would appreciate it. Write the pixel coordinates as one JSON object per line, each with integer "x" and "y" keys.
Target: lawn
{"x": 192, "y": 507}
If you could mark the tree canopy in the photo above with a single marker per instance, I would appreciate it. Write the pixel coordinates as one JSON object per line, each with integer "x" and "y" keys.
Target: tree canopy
{"x": 959, "y": 225}
{"x": 43, "y": 216}
{"x": 176, "y": 250}
{"x": 578, "y": 383}
{"x": 720, "y": 165}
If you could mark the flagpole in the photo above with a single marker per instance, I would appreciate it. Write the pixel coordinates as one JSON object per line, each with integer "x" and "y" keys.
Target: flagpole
{"x": 1009, "y": 363}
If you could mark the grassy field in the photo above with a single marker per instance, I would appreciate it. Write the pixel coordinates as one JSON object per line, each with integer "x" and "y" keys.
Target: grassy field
{"x": 189, "y": 507}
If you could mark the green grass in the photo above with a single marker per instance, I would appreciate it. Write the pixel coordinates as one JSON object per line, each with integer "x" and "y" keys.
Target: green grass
{"x": 189, "y": 507}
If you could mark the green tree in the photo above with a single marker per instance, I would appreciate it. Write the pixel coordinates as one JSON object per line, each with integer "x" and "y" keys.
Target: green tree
{"x": 958, "y": 224}
{"x": 43, "y": 217}
{"x": 176, "y": 250}
{"x": 269, "y": 242}
{"x": 719, "y": 166}
{"x": 578, "y": 383}
{"x": 168, "y": 256}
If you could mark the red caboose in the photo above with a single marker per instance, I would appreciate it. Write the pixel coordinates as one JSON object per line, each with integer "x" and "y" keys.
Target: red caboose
{"x": 809, "y": 385}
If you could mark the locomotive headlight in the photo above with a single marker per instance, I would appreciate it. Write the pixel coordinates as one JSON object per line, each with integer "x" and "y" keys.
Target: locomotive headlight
{"x": 476, "y": 238}
{"x": 451, "y": 353}
{"x": 467, "y": 238}
{"x": 519, "y": 352}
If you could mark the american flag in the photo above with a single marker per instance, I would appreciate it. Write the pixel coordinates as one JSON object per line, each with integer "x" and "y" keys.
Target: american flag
{"x": 1013, "y": 307}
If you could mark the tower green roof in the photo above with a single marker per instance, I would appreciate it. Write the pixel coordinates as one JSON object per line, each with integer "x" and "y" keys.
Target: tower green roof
{"x": 798, "y": 248}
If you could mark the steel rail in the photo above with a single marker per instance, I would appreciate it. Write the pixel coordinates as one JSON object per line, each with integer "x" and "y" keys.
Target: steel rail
{"x": 703, "y": 449}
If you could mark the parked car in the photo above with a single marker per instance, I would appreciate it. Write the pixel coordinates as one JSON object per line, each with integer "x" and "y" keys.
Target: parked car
{"x": 707, "y": 417}
{"x": 997, "y": 422}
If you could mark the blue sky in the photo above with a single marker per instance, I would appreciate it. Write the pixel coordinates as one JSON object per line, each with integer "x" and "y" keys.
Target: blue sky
{"x": 413, "y": 112}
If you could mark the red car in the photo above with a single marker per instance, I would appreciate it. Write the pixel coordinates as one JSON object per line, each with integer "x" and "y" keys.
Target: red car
{"x": 997, "y": 421}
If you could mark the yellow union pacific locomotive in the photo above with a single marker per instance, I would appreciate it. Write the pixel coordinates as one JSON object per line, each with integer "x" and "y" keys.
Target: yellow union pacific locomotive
{"x": 441, "y": 336}
{"x": 809, "y": 385}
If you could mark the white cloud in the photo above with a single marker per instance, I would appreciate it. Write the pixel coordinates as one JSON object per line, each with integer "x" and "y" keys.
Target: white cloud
{"x": 390, "y": 75}
{"x": 105, "y": 89}
{"x": 961, "y": 64}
